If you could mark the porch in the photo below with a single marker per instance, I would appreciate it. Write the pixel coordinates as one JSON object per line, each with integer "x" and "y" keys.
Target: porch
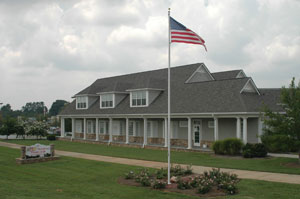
{"x": 185, "y": 132}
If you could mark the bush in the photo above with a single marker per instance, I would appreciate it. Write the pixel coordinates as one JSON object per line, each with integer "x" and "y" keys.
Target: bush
{"x": 157, "y": 184}
{"x": 51, "y": 137}
{"x": 145, "y": 181}
{"x": 177, "y": 170}
{"x": 217, "y": 147}
{"x": 129, "y": 175}
{"x": 143, "y": 175}
{"x": 230, "y": 146}
{"x": 162, "y": 173}
{"x": 260, "y": 150}
{"x": 278, "y": 143}
{"x": 205, "y": 188}
{"x": 183, "y": 185}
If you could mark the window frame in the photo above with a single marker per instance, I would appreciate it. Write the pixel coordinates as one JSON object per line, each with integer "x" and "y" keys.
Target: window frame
{"x": 113, "y": 100}
{"x": 137, "y": 98}
{"x": 211, "y": 124}
{"x": 79, "y": 102}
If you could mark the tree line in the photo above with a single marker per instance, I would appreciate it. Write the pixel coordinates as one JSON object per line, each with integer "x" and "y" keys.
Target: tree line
{"x": 32, "y": 119}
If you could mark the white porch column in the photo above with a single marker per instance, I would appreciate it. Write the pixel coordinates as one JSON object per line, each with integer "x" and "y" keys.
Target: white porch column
{"x": 84, "y": 128}
{"x": 216, "y": 129}
{"x": 97, "y": 129}
{"x": 245, "y": 133}
{"x": 73, "y": 128}
{"x": 260, "y": 129}
{"x": 189, "y": 133}
{"x": 238, "y": 128}
{"x": 110, "y": 129}
{"x": 62, "y": 127}
{"x": 166, "y": 131}
{"x": 127, "y": 130}
{"x": 145, "y": 132}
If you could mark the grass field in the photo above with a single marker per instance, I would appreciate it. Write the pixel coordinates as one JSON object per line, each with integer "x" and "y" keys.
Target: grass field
{"x": 263, "y": 164}
{"x": 78, "y": 178}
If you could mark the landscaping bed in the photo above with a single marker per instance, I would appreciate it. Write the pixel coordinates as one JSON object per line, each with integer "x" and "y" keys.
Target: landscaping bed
{"x": 208, "y": 184}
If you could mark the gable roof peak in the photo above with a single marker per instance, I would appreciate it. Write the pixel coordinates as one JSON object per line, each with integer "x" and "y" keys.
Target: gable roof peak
{"x": 201, "y": 74}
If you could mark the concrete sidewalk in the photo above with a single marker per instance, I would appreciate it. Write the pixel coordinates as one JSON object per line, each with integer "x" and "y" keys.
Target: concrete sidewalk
{"x": 283, "y": 155}
{"x": 244, "y": 174}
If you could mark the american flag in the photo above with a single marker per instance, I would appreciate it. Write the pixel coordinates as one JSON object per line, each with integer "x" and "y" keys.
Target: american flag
{"x": 181, "y": 34}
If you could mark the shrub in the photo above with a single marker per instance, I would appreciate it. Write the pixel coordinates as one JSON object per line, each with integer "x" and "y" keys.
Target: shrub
{"x": 204, "y": 188}
{"x": 129, "y": 175}
{"x": 157, "y": 184}
{"x": 177, "y": 170}
{"x": 229, "y": 187}
{"x": 144, "y": 173}
{"x": 51, "y": 137}
{"x": 183, "y": 184}
{"x": 230, "y": 146}
{"x": 217, "y": 147}
{"x": 260, "y": 150}
{"x": 162, "y": 173}
{"x": 278, "y": 143}
{"x": 145, "y": 181}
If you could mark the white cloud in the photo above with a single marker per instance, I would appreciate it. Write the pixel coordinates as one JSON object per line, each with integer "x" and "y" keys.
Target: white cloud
{"x": 53, "y": 49}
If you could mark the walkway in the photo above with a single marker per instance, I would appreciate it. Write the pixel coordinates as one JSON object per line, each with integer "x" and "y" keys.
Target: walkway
{"x": 283, "y": 155}
{"x": 244, "y": 174}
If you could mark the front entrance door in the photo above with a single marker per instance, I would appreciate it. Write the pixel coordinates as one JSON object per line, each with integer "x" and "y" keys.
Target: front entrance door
{"x": 197, "y": 132}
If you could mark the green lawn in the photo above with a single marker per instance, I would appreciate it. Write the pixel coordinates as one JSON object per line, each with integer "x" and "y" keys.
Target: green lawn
{"x": 78, "y": 178}
{"x": 195, "y": 158}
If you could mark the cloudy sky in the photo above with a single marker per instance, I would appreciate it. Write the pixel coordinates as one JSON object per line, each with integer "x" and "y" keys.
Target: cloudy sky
{"x": 53, "y": 49}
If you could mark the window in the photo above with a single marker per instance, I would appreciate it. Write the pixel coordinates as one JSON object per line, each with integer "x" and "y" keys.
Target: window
{"x": 183, "y": 123}
{"x": 103, "y": 127}
{"x": 139, "y": 98}
{"x": 107, "y": 101}
{"x": 131, "y": 128}
{"x": 211, "y": 124}
{"x": 90, "y": 126}
{"x": 81, "y": 102}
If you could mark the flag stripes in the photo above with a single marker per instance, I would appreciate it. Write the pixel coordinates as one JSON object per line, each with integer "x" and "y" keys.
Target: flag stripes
{"x": 181, "y": 34}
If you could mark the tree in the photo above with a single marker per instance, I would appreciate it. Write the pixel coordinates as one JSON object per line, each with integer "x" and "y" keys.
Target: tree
{"x": 9, "y": 127}
{"x": 38, "y": 129}
{"x": 6, "y": 111}
{"x": 33, "y": 109}
{"x": 57, "y": 106}
{"x": 20, "y": 131}
{"x": 289, "y": 123}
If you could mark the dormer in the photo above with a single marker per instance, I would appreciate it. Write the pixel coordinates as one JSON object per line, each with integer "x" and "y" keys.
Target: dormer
{"x": 241, "y": 74}
{"x": 84, "y": 101}
{"x": 202, "y": 74}
{"x": 143, "y": 97}
{"x": 110, "y": 99}
{"x": 250, "y": 87}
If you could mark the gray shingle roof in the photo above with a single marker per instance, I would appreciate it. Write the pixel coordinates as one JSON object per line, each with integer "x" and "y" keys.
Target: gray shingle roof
{"x": 222, "y": 95}
{"x": 226, "y": 74}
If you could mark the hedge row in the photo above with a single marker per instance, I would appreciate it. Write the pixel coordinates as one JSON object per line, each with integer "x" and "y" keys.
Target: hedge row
{"x": 234, "y": 146}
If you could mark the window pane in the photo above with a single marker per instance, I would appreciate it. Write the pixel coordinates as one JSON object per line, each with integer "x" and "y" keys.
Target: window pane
{"x": 143, "y": 101}
{"x": 143, "y": 94}
{"x": 134, "y": 102}
{"x": 130, "y": 128}
{"x": 134, "y": 95}
{"x": 139, "y": 102}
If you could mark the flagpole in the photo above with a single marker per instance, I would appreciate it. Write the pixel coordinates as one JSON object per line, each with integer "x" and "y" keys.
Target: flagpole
{"x": 169, "y": 100}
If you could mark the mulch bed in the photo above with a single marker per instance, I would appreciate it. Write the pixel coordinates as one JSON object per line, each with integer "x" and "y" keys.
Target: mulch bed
{"x": 173, "y": 188}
